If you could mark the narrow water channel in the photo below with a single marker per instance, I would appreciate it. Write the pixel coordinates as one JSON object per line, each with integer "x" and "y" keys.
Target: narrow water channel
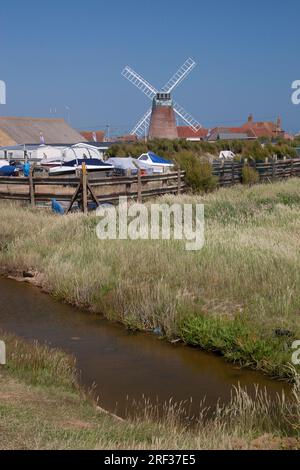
{"x": 122, "y": 365}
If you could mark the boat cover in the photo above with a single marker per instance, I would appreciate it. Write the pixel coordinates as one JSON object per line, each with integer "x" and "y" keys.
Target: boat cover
{"x": 127, "y": 163}
{"x": 156, "y": 159}
{"x": 7, "y": 170}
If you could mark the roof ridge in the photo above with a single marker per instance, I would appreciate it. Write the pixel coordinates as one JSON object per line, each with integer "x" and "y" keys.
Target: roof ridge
{"x": 25, "y": 118}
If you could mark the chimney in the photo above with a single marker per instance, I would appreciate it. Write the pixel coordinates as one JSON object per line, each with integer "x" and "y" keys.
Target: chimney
{"x": 279, "y": 123}
{"x": 250, "y": 119}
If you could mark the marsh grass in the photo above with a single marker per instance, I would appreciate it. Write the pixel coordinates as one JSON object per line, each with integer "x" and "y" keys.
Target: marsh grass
{"x": 229, "y": 297}
{"x": 42, "y": 407}
{"x": 38, "y": 364}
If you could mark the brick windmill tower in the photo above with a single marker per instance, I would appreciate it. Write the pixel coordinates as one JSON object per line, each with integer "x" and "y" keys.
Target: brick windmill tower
{"x": 163, "y": 121}
{"x": 160, "y": 120}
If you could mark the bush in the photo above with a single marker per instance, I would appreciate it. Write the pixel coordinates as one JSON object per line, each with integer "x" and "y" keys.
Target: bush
{"x": 249, "y": 175}
{"x": 199, "y": 175}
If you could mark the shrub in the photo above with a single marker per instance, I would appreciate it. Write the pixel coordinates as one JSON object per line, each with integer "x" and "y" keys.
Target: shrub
{"x": 199, "y": 175}
{"x": 249, "y": 175}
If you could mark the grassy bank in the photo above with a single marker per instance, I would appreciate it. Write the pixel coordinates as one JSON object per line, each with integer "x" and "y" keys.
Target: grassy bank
{"x": 42, "y": 407}
{"x": 240, "y": 295}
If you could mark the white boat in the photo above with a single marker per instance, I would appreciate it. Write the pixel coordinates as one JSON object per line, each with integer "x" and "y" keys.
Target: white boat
{"x": 63, "y": 161}
{"x": 70, "y": 167}
{"x": 129, "y": 166}
{"x": 50, "y": 156}
{"x": 158, "y": 164}
{"x": 3, "y": 163}
{"x": 226, "y": 155}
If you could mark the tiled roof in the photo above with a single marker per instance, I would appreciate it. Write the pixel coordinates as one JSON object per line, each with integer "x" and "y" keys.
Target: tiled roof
{"x": 264, "y": 128}
{"x": 186, "y": 132}
{"x": 234, "y": 132}
{"x": 89, "y": 135}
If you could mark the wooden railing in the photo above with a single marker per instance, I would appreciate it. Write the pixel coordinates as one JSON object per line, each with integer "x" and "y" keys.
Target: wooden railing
{"x": 86, "y": 188}
{"x": 230, "y": 173}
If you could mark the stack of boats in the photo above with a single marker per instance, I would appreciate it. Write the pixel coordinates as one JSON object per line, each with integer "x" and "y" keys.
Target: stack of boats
{"x": 64, "y": 161}
{"x": 68, "y": 160}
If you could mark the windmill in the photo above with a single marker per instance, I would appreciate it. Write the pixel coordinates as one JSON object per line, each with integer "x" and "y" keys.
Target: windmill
{"x": 160, "y": 118}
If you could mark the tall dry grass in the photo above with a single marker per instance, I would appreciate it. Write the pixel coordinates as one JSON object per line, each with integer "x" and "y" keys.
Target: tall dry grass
{"x": 41, "y": 407}
{"x": 231, "y": 296}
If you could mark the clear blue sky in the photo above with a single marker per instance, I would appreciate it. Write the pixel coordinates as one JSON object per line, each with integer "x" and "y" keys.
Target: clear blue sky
{"x": 57, "y": 53}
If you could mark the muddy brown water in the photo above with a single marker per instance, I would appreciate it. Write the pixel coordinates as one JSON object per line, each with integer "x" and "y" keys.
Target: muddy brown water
{"x": 123, "y": 366}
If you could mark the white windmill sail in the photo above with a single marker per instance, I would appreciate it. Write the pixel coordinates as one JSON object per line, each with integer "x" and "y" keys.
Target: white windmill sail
{"x": 180, "y": 75}
{"x": 141, "y": 128}
{"x": 139, "y": 82}
{"x": 183, "y": 114}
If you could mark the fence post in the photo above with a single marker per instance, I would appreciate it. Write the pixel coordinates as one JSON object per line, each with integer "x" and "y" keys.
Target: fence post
{"x": 244, "y": 165}
{"x": 31, "y": 188}
{"x": 140, "y": 189}
{"x": 179, "y": 186}
{"x": 274, "y": 168}
{"x": 84, "y": 189}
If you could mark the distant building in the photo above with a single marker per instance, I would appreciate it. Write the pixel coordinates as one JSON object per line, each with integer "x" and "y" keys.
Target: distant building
{"x": 127, "y": 139}
{"x": 251, "y": 130}
{"x": 230, "y": 133}
{"x": 100, "y": 136}
{"x": 93, "y": 136}
{"x": 26, "y": 130}
{"x": 264, "y": 128}
{"x": 186, "y": 132}
{"x": 288, "y": 136}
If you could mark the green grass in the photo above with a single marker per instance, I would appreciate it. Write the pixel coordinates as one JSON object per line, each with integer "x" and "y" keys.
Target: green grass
{"x": 42, "y": 407}
{"x": 229, "y": 297}
{"x": 31, "y": 364}
{"x": 238, "y": 342}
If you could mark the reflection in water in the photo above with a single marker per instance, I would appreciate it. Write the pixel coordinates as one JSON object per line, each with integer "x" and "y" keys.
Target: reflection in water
{"x": 118, "y": 362}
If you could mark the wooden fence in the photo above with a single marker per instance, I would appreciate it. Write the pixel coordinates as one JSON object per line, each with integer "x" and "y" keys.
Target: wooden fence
{"x": 89, "y": 188}
{"x": 230, "y": 173}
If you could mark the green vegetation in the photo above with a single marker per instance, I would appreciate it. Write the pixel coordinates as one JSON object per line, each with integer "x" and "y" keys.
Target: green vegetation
{"x": 199, "y": 175}
{"x": 42, "y": 407}
{"x": 236, "y": 340}
{"x": 195, "y": 157}
{"x": 238, "y": 290}
{"x": 296, "y": 142}
{"x": 207, "y": 150}
{"x": 250, "y": 175}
